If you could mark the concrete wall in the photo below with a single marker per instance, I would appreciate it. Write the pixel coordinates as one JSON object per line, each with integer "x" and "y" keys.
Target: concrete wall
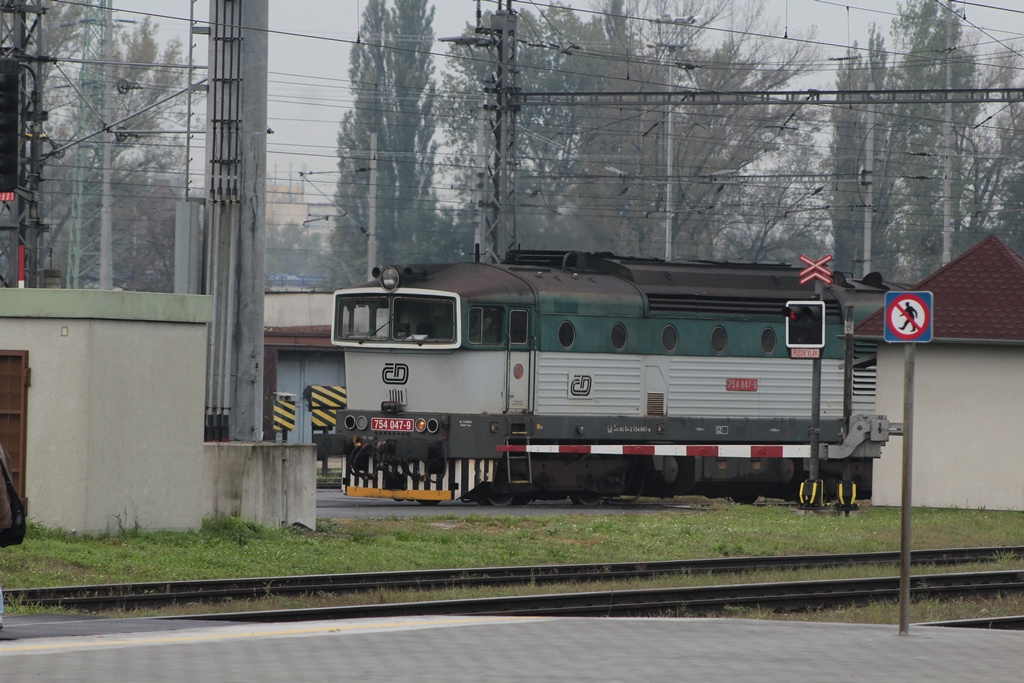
{"x": 968, "y": 406}
{"x": 115, "y": 407}
{"x": 297, "y": 309}
{"x": 268, "y": 483}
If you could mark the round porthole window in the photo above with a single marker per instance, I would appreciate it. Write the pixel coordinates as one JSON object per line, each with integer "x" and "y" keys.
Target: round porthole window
{"x": 669, "y": 338}
{"x": 719, "y": 339}
{"x": 566, "y": 334}
{"x": 768, "y": 340}
{"x": 618, "y": 336}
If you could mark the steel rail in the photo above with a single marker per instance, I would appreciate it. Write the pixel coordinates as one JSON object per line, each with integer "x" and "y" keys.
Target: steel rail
{"x": 1014, "y": 623}
{"x": 691, "y": 601}
{"x": 153, "y": 594}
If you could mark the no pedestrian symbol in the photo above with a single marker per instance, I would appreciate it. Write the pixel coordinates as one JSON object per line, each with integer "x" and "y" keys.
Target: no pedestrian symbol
{"x": 908, "y": 316}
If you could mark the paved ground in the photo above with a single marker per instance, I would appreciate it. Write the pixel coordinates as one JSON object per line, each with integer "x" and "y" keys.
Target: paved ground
{"x": 455, "y": 649}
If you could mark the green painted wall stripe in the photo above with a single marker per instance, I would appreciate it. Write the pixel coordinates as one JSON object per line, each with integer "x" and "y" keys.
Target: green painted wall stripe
{"x": 93, "y": 304}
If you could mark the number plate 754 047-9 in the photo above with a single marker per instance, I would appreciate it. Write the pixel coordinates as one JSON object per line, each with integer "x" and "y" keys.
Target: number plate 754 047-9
{"x": 391, "y": 424}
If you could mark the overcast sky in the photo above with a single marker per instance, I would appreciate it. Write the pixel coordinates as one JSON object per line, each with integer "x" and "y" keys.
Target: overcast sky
{"x": 310, "y": 41}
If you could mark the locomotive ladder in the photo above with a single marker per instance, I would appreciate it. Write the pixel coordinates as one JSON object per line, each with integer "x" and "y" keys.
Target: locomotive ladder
{"x": 519, "y": 466}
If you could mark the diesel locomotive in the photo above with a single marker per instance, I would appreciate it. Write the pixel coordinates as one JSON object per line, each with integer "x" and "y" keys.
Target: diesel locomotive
{"x": 592, "y": 376}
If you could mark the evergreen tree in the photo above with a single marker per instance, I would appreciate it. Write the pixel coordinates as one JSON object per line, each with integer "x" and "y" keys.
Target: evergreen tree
{"x": 392, "y": 80}
{"x": 853, "y": 178}
{"x": 910, "y": 242}
{"x": 911, "y": 148}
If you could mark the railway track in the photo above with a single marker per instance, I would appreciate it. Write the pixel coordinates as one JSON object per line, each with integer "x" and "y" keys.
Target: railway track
{"x": 692, "y": 601}
{"x": 157, "y": 594}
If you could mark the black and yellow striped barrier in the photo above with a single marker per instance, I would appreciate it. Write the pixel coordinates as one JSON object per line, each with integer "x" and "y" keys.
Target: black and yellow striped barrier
{"x": 812, "y": 494}
{"x": 324, "y": 402}
{"x": 284, "y": 414}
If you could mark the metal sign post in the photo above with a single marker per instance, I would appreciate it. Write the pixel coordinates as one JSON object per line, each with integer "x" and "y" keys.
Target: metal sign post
{"x": 908, "y": 433}
{"x": 815, "y": 435}
{"x": 812, "y": 491}
{"x": 908, "y": 319}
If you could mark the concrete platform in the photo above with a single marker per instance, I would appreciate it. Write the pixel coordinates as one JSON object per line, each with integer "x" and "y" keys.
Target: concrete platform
{"x": 454, "y": 649}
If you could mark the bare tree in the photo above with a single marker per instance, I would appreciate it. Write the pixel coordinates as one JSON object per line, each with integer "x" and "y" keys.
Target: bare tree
{"x": 594, "y": 177}
{"x": 146, "y": 166}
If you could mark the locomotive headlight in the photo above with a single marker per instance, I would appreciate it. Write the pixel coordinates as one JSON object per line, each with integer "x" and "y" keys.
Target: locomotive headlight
{"x": 421, "y": 425}
{"x": 389, "y": 278}
{"x": 433, "y": 425}
{"x": 350, "y": 422}
{"x": 361, "y": 422}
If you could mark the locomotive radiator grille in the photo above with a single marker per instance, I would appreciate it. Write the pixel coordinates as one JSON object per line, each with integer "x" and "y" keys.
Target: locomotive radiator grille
{"x": 655, "y": 405}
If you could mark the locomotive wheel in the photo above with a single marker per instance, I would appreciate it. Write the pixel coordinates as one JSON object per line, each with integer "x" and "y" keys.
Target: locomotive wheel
{"x": 587, "y": 498}
{"x": 495, "y": 498}
{"x": 745, "y": 498}
{"x": 498, "y": 499}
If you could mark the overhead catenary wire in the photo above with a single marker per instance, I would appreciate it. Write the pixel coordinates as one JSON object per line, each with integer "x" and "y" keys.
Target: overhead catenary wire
{"x": 454, "y": 166}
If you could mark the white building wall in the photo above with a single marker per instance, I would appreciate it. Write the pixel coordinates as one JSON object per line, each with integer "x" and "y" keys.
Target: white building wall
{"x": 297, "y": 309}
{"x": 115, "y": 406}
{"x": 968, "y": 412}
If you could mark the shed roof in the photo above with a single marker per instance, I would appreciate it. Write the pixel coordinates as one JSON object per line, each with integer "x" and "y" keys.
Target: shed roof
{"x": 979, "y": 295}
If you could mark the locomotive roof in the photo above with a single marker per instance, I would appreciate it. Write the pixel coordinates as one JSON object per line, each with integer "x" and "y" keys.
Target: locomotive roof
{"x": 570, "y": 282}
{"x": 553, "y": 289}
{"x": 712, "y": 286}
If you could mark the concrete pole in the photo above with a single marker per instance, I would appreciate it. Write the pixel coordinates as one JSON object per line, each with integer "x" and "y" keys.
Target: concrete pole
{"x": 371, "y": 241}
{"x": 947, "y": 172}
{"x": 669, "y": 169}
{"x": 106, "y": 209}
{"x": 247, "y": 419}
{"x": 869, "y": 181}
{"x": 481, "y": 181}
{"x": 236, "y": 203}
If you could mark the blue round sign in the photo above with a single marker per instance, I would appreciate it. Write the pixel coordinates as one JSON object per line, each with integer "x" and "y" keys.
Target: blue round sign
{"x": 908, "y": 317}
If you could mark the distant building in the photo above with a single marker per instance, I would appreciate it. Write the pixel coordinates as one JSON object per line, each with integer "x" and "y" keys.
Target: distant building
{"x": 287, "y": 205}
{"x": 298, "y": 354}
{"x": 967, "y": 398}
{"x": 288, "y": 212}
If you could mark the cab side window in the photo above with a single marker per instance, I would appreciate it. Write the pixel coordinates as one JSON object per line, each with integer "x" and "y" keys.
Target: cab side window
{"x": 519, "y": 327}
{"x": 485, "y": 325}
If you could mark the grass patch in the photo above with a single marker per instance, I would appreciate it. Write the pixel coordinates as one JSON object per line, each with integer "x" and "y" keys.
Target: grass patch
{"x": 235, "y": 548}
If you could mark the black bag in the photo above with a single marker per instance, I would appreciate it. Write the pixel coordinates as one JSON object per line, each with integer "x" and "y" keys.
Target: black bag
{"x": 16, "y": 533}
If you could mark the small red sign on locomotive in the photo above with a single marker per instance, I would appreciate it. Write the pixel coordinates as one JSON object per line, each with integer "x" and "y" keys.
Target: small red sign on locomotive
{"x": 805, "y": 353}
{"x": 740, "y": 384}
{"x": 391, "y": 424}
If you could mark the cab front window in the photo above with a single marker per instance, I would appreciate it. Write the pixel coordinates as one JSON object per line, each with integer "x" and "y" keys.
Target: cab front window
{"x": 362, "y": 318}
{"x": 424, "y": 319}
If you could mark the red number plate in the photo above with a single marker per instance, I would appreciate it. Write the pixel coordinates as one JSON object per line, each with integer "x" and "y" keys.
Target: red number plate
{"x": 740, "y": 384}
{"x": 391, "y": 424}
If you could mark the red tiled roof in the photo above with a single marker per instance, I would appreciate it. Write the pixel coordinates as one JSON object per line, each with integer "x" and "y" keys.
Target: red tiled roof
{"x": 979, "y": 295}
